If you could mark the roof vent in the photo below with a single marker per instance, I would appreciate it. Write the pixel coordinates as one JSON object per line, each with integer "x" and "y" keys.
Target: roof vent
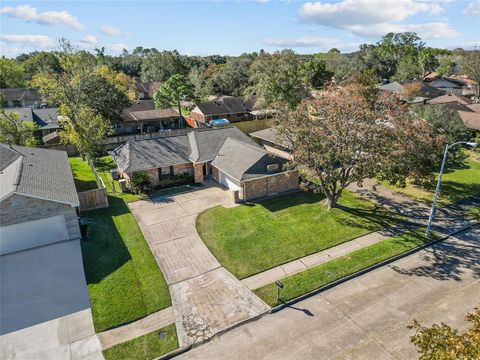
{"x": 272, "y": 168}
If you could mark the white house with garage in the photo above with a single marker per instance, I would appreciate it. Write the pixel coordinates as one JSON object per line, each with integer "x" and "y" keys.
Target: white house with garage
{"x": 38, "y": 199}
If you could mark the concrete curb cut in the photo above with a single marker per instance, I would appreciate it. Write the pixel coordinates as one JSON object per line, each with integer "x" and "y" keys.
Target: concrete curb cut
{"x": 368, "y": 269}
{"x": 184, "y": 349}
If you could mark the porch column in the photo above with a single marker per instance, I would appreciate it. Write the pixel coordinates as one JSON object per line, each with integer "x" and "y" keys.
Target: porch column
{"x": 198, "y": 173}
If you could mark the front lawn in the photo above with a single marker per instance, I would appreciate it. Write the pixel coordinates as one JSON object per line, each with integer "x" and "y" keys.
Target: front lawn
{"x": 145, "y": 347}
{"x": 124, "y": 280}
{"x": 83, "y": 175}
{"x": 321, "y": 275}
{"x": 457, "y": 184}
{"x": 252, "y": 238}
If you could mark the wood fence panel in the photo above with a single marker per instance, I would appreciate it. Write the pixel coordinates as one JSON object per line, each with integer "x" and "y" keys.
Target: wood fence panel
{"x": 93, "y": 199}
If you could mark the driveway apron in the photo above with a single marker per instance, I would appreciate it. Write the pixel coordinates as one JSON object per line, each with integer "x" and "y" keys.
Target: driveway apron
{"x": 206, "y": 298}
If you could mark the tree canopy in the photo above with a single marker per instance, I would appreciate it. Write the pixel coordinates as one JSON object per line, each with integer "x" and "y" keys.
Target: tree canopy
{"x": 12, "y": 74}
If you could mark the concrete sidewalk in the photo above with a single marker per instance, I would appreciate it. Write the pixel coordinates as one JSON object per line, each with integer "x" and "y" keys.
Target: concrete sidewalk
{"x": 137, "y": 328}
{"x": 296, "y": 266}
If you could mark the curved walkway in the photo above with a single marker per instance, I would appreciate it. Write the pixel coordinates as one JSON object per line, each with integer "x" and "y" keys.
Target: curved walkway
{"x": 206, "y": 298}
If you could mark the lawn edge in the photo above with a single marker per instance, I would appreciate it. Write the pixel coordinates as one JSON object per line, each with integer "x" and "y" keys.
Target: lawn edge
{"x": 368, "y": 269}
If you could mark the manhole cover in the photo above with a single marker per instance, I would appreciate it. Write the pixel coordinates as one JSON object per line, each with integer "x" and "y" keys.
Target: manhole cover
{"x": 162, "y": 335}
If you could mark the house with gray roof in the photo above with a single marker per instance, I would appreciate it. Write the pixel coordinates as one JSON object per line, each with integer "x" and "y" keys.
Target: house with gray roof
{"x": 232, "y": 108}
{"x": 45, "y": 118}
{"x": 226, "y": 155}
{"x": 20, "y": 97}
{"x": 38, "y": 199}
{"x": 273, "y": 142}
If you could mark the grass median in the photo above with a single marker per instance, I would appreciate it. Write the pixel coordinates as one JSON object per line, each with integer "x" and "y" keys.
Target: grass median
{"x": 145, "y": 347}
{"x": 321, "y": 275}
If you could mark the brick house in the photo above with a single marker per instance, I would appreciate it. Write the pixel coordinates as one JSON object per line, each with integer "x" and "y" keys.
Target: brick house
{"x": 38, "y": 199}
{"x": 45, "y": 118}
{"x": 226, "y": 155}
{"x": 232, "y": 108}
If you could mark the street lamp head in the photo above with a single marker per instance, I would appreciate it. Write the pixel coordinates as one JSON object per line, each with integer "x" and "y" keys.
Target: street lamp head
{"x": 473, "y": 144}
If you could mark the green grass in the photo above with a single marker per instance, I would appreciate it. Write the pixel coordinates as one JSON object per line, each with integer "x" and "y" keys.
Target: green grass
{"x": 457, "y": 184}
{"x": 82, "y": 174}
{"x": 255, "y": 237}
{"x": 316, "y": 277}
{"x": 124, "y": 281}
{"x": 146, "y": 347}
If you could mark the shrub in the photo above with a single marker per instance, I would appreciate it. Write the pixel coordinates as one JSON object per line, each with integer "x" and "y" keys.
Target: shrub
{"x": 139, "y": 183}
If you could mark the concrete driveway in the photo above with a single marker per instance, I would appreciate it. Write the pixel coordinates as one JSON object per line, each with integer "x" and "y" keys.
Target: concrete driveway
{"x": 367, "y": 317}
{"x": 45, "y": 307}
{"x": 206, "y": 298}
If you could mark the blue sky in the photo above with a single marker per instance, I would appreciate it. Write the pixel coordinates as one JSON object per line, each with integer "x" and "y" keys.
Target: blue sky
{"x": 233, "y": 27}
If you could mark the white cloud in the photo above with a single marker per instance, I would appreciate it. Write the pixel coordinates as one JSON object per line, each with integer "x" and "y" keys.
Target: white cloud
{"x": 116, "y": 47}
{"x": 88, "y": 42}
{"x": 38, "y": 41}
{"x": 10, "y": 51}
{"x": 473, "y": 8}
{"x": 325, "y": 43}
{"x": 112, "y": 31}
{"x": 377, "y": 17}
{"x": 29, "y": 13}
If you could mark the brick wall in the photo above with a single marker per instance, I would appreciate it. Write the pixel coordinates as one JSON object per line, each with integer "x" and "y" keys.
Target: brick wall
{"x": 186, "y": 168}
{"x": 270, "y": 185}
{"x": 183, "y": 169}
{"x": 214, "y": 172}
{"x": 198, "y": 173}
{"x": 17, "y": 209}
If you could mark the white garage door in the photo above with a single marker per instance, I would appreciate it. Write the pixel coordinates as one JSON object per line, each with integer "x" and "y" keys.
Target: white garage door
{"x": 228, "y": 182}
{"x": 32, "y": 234}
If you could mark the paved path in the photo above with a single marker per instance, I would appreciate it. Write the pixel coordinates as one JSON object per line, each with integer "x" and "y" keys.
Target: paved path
{"x": 293, "y": 267}
{"x": 366, "y": 318}
{"x": 137, "y": 328}
{"x": 206, "y": 298}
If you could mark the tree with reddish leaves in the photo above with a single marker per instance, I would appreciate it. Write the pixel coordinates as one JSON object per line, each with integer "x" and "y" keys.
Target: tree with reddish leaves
{"x": 343, "y": 137}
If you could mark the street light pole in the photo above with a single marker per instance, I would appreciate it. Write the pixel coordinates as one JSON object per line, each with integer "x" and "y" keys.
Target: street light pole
{"x": 439, "y": 182}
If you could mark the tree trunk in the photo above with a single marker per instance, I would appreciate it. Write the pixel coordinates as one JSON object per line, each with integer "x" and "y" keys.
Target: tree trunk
{"x": 332, "y": 201}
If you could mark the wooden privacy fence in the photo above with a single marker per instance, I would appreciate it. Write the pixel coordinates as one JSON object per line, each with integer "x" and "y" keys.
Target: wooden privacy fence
{"x": 95, "y": 198}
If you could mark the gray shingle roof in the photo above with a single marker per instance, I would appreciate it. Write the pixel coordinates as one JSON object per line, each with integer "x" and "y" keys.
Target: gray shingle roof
{"x": 224, "y": 105}
{"x": 37, "y": 172}
{"x": 243, "y": 161}
{"x": 270, "y": 135}
{"x": 45, "y": 118}
{"x": 137, "y": 105}
{"x": 197, "y": 146}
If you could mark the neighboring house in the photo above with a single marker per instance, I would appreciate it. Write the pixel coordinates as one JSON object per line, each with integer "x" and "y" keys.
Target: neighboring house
{"x": 146, "y": 89}
{"x": 45, "y": 118}
{"x": 469, "y": 113}
{"x": 225, "y": 154}
{"x": 422, "y": 91}
{"x": 231, "y": 108}
{"x": 273, "y": 143}
{"x": 457, "y": 86}
{"x": 142, "y": 117}
{"x": 20, "y": 97}
{"x": 450, "y": 98}
{"x": 38, "y": 199}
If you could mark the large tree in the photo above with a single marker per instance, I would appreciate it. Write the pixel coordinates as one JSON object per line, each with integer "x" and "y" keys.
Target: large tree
{"x": 159, "y": 66}
{"x": 172, "y": 92}
{"x": 83, "y": 97}
{"x": 231, "y": 78}
{"x": 317, "y": 73}
{"x": 442, "y": 342}
{"x": 12, "y": 74}
{"x": 470, "y": 65}
{"x": 279, "y": 78}
{"x": 343, "y": 137}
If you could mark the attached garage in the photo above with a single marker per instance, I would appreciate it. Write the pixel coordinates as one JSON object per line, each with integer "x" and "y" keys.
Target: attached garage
{"x": 32, "y": 234}
{"x": 228, "y": 181}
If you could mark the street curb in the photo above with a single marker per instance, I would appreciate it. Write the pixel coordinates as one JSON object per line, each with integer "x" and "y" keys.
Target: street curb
{"x": 368, "y": 269}
{"x": 184, "y": 349}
